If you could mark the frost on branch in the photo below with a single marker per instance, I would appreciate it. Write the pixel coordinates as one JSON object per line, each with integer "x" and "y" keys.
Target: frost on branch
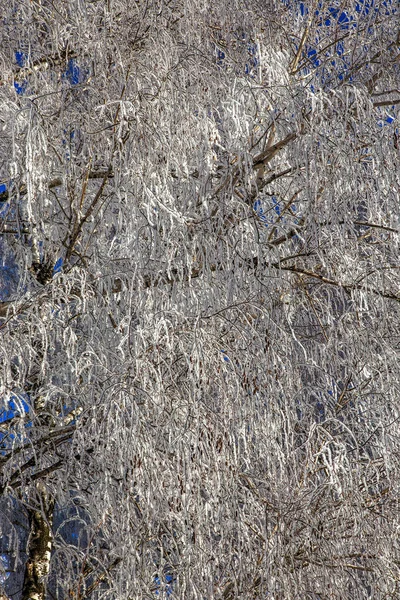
{"x": 199, "y": 223}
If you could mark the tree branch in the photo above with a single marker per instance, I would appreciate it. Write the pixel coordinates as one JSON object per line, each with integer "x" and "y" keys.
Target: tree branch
{"x": 346, "y": 286}
{"x": 58, "y": 182}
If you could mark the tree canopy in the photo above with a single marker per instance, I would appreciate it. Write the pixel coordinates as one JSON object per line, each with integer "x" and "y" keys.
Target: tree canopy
{"x": 199, "y": 299}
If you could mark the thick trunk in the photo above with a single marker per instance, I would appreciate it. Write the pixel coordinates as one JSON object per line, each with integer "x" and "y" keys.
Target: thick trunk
{"x": 38, "y": 548}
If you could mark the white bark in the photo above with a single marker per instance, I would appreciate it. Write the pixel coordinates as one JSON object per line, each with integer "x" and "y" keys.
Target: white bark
{"x": 39, "y": 547}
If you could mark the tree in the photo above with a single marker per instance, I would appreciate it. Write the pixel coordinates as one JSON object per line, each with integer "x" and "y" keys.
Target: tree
{"x": 199, "y": 319}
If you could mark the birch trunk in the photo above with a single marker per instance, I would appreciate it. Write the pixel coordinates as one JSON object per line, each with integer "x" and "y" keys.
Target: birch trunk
{"x": 38, "y": 548}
